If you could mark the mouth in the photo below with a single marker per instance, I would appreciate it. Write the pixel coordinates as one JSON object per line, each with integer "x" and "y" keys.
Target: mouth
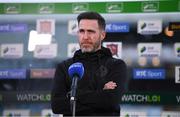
{"x": 86, "y": 43}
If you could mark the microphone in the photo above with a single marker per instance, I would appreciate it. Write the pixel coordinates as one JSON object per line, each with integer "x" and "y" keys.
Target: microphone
{"x": 75, "y": 71}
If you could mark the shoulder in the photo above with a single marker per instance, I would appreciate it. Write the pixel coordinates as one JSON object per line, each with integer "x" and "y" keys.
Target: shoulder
{"x": 65, "y": 63}
{"x": 116, "y": 62}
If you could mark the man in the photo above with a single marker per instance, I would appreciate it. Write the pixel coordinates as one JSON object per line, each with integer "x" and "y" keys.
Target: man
{"x": 99, "y": 91}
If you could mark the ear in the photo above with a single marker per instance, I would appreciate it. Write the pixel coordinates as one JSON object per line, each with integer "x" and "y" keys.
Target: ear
{"x": 103, "y": 35}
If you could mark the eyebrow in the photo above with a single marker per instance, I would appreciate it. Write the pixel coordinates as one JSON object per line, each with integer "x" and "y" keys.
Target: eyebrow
{"x": 88, "y": 30}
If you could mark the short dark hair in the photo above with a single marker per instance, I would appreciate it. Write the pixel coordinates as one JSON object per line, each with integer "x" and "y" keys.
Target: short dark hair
{"x": 93, "y": 15}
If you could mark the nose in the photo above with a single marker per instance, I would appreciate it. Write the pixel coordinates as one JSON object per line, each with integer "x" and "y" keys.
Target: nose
{"x": 85, "y": 36}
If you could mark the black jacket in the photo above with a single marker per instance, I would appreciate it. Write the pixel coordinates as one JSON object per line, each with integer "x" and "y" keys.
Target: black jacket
{"x": 100, "y": 68}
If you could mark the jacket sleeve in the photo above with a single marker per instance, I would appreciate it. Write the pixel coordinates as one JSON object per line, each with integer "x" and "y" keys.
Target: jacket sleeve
{"x": 107, "y": 99}
{"x": 59, "y": 101}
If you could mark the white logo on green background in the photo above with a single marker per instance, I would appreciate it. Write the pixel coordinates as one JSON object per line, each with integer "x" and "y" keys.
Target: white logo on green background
{"x": 12, "y": 8}
{"x": 80, "y": 7}
{"x": 46, "y": 8}
{"x": 150, "y": 6}
{"x": 114, "y": 7}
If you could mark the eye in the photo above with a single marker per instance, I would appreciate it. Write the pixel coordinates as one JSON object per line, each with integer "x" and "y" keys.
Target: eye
{"x": 81, "y": 31}
{"x": 91, "y": 31}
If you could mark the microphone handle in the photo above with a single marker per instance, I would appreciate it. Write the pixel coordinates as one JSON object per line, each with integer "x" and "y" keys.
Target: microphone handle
{"x": 73, "y": 88}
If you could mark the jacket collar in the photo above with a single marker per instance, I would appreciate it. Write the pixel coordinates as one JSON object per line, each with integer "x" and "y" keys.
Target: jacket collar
{"x": 92, "y": 56}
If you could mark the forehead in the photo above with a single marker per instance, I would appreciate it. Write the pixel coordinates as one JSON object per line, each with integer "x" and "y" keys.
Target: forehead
{"x": 88, "y": 23}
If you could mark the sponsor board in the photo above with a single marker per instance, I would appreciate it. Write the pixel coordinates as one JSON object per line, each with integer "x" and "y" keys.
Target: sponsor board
{"x": 165, "y": 98}
{"x": 152, "y": 6}
{"x": 46, "y": 8}
{"x": 18, "y": 27}
{"x": 115, "y": 48}
{"x": 72, "y": 47}
{"x": 45, "y": 26}
{"x": 149, "y": 49}
{"x": 117, "y": 27}
{"x": 49, "y": 113}
{"x": 72, "y": 27}
{"x": 80, "y": 7}
{"x": 174, "y": 26}
{"x": 32, "y": 97}
{"x": 170, "y": 114}
{"x": 177, "y": 49}
{"x": 12, "y": 73}
{"x": 42, "y": 73}
{"x": 45, "y": 51}
{"x": 141, "y": 98}
{"x": 26, "y": 97}
{"x": 16, "y": 113}
{"x": 12, "y": 8}
{"x": 133, "y": 113}
{"x": 177, "y": 74}
{"x": 12, "y": 51}
{"x": 149, "y": 73}
{"x": 114, "y": 7}
{"x": 149, "y": 27}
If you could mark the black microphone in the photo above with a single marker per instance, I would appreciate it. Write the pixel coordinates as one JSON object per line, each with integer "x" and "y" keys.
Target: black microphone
{"x": 76, "y": 71}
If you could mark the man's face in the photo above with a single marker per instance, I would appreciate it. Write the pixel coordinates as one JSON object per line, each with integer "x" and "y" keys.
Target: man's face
{"x": 90, "y": 35}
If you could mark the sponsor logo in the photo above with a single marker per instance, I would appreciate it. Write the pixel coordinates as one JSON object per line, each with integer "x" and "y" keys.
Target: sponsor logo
{"x": 177, "y": 49}
{"x": 72, "y": 47}
{"x": 141, "y": 98}
{"x": 150, "y": 6}
{"x": 49, "y": 113}
{"x": 16, "y": 113}
{"x": 133, "y": 113}
{"x": 13, "y": 74}
{"x": 117, "y": 27}
{"x": 174, "y": 26}
{"x": 142, "y": 61}
{"x": 42, "y": 73}
{"x": 149, "y": 49}
{"x": 45, "y": 51}
{"x": 80, "y": 7}
{"x": 34, "y": 97}
{"x": 12, "y": 51}
{"x": 72, "y": 27}
{"x": 45, "y": 26}
{"x": 149, "y": 73}
{"x": 167, "y": 32}
{"x": 148, "y": 27}
{"x": 156, "y": 61}
{"x": 115, "y": 47}
{"x": 12, "y": 8}
{"x": 46, "y": 8}
{"x": 177, "y": 74}
{"x": 170, "y": 114}
{"x": 13, "y": 27}
{"x": 114, "y": 7}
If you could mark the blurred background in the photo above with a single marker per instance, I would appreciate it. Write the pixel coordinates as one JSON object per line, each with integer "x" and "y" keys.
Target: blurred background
{"x": 36, "y": 35}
